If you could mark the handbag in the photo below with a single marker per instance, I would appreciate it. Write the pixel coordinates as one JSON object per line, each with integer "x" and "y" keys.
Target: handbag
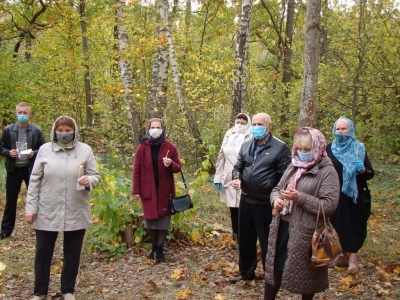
{"x": 181, "y": 203}
{"x": 325, "y": 245}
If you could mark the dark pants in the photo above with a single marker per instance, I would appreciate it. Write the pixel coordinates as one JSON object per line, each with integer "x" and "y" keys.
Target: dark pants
{"x": 235, "y": 221}
{"x": 13, "y": 187}
{"x": 45, "y": 242}
{"x": 254, "y": 221}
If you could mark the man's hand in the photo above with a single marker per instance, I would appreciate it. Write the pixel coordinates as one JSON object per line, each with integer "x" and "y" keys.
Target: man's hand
{"x": 14, "y": 153}
{"x": 236, "y": 184}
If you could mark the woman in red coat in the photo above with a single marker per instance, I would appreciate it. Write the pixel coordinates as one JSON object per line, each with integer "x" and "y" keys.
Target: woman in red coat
{"x": 156, "y": 159}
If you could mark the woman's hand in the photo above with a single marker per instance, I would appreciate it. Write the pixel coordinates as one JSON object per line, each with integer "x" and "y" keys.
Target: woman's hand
{"x": 292, "y": 194}
{"x": 136, "y": 197}
{"x": 30, "y": 218}
{"x": 279, "y": 203}
{"x": 84, "y": 181}
{"x": 167, "y": 161}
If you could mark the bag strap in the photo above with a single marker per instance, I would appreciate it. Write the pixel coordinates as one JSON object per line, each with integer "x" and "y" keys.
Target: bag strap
{"x": 320, "y": 207}
{"x": 183, "y": 179}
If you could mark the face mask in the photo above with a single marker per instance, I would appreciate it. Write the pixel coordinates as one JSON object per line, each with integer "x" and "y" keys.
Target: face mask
{"x": 65, "y": 138}
{"x": 304, "y": 156}
{"x": 240, "y": 128}
{"x": 259, "y": 132}
{"x": 22, "y": 118}
{"x": 341, "y": 138}
{"x": 155, "y": 132}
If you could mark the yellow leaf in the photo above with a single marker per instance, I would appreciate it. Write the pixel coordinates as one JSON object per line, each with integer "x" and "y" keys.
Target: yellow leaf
{"x": 177, "y": 274}
{"x": 181, "y": 295}
{"x": 219, "y": 297}
{"x": 346, "y": 280}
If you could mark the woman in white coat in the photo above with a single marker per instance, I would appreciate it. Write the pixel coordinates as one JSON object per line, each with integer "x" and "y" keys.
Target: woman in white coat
{"x": 58, "y": 200}
{"x": 227, "y": 157}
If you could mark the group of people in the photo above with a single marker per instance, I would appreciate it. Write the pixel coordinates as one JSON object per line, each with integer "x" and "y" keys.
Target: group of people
{"x": 273, "y": 195}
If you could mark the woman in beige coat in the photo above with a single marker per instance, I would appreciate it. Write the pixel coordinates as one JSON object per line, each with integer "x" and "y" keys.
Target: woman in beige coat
{"x": 227, "y": 157}
{"x": 58, "y": 200}
{"x": 310, "y": 178}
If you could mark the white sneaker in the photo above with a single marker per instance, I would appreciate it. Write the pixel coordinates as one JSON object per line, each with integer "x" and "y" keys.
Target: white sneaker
{"x": 38, "y": 298}
{"x": 69, "y": 296}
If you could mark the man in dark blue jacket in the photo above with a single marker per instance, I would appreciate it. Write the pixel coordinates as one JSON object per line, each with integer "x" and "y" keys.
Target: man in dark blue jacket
{"x": 260, "y": 165}
{"x": 19, "y": 143}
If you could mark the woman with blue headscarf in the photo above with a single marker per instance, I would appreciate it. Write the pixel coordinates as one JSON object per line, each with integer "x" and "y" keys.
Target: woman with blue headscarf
{"x": 354, "y": 169}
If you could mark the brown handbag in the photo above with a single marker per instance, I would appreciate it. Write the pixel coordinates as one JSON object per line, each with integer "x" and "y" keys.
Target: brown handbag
{"x": 325, "y": 245}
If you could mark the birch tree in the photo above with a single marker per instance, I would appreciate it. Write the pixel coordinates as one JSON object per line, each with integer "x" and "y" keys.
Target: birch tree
{"x": 178, "y": 87}
{"x": 125, "y": 70}
{"x": 311, "y": 59}
{"x": 158, "y": 98}
{"x": 239, "y": 84}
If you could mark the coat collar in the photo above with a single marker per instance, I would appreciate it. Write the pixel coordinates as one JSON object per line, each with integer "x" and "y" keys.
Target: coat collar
{"x": 15, "y": 126}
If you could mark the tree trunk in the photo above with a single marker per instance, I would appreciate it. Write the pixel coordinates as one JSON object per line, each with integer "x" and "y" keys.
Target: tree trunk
{"x": 239, "y": 85}
{"x": 287, "y": 68}
{"x": 85, "y": 49}
{"x": 125, "y": 69}
{"x": 175, "y": 70}
{"x": 311, "y": 59}
{"x": 159, "y": 86}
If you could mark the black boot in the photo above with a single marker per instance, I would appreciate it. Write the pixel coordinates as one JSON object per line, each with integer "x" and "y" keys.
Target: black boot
{"x": 151, "y": 255}
{"x": 160, "y": 254}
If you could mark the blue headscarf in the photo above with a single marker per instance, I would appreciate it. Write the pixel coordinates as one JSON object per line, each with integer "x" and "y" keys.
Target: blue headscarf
{"x": 347, "y": 150}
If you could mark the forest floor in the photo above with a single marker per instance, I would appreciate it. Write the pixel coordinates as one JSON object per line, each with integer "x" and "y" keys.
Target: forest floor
{"x": 202, "y": 270}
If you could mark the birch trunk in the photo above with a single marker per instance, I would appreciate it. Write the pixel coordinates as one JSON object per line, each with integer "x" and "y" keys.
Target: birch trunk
{"x": 159, "y": 86}
{"x": 175, "y": 70}
{"x": 125, "y": 69}
{"x": 311, "y": 59}
{"x": 85, "y": 49}
{"x": 239, "y": 84}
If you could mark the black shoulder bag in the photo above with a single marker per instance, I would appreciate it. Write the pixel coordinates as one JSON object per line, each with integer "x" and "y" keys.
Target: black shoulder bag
{"x": 181, "y": 203}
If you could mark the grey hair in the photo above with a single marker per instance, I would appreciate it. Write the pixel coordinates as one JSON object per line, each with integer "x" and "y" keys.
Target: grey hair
{"x": 303, "y": 137}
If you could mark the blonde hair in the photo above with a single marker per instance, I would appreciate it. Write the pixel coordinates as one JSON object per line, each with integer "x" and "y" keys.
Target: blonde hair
{"x": 23, "y": 104}
{"x": 303, "y": 139}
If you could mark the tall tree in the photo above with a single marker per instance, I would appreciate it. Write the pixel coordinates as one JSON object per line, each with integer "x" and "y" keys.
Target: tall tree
{"x": 284, "y": 42}
{"x": 125, "y": 70}
{"x": 178, "y": 87}
{"x": 85, "y": 49}
{"x": 159, "y": 85}
{"x": 239, "y": 85}
{"x": 311, "y": 61}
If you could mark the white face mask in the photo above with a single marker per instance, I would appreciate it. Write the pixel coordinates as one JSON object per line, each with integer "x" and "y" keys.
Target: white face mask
{"x": 155, "y": 132}
{"x": 240, "y": 128}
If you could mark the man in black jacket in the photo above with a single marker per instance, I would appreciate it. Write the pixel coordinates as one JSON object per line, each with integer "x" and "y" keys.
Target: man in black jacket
{"x": 19, "y": 143}
{"x": 259, "y": 167}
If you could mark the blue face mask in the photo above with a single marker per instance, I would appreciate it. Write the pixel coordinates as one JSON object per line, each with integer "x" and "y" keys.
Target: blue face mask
{"x": 304, "y": 157}
{"x": 259, "y": 132}
{"x": 22, "y": 118}
{"x": 341, "y": 138}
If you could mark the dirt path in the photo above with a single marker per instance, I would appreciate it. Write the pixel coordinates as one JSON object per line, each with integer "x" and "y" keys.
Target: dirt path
{"x": 198, "y": 271}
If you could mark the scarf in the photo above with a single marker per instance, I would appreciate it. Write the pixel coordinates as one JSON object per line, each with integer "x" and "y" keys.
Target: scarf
{"x": 317, "y": 153}
{"x": 153, "y": 141}
{"x": 236, "y": 139}
{"x": 347, "y": 150}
